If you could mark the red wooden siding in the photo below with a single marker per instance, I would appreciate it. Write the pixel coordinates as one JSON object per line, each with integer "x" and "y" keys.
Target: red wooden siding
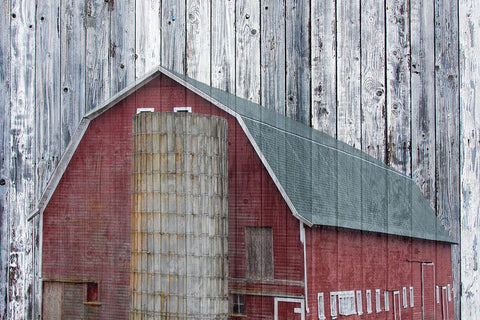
{"x": 86, "y": 226}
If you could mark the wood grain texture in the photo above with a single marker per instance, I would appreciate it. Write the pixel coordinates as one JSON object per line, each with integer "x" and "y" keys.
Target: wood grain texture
{"x": 469, "y": 27}
{"x": 122, "y": 44}
{"x": 262, "y": 58}
{"x": 48, "y": 107}
{"x": 198, "y": 40}
{"x": 447, "y": 125}
{"x": 247, "y": 51}
{"x": 173, "y": 35}
{"x": 273, "y": 54}
{"x": 398, "y": 85}
{"x": 297, "y": 37}
{"x": 422, "y": 97}
{"x": 72, "y": 67}
{"x": 5, "y": 180}
{"x": 147, "y": 36}
{"x": 22, "y": 158}
{"x": 48, "y": 118}
{"x": 373, "y": 78}
{"x": 97, "y": 26}
{"x": 223, "y": 45}
{"x": 323, "y": 64}
{"x": 348, "y": 73}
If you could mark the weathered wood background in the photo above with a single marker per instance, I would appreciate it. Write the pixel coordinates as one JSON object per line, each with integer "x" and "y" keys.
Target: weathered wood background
{"x": 395, "y": 78}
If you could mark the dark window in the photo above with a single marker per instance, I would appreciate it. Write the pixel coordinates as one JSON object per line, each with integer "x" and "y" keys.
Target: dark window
{"x": 238, "y": 304}
{"x": 259, "y": 252}
{"x": 92, "y": 292}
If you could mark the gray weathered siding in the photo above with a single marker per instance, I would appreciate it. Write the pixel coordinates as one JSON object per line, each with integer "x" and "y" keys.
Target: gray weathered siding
{"x": 384, "y": 76}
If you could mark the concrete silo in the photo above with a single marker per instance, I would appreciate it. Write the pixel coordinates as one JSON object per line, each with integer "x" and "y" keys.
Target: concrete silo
{"x": 179, "y": 217}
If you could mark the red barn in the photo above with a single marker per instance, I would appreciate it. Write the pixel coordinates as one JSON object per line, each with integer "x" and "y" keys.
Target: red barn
{"x": 176, "y": 200}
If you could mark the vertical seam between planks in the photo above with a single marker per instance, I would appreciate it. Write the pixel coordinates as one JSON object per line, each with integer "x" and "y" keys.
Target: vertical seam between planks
{"x": 435, "y": 101}
{"x": 185, "y": 46}
{"x": 336, "y": 70}
{"x": 284, "y": 102}
{"x": 457, "y": 305}
{"x": 260, "y": 51}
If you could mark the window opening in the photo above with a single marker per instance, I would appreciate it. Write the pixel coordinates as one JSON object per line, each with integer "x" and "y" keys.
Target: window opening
{"x": 238, "y": 304}
{"x": 321, "y": 306}
{"x": 182, "y": 109}
{"x": 368, "y": 296}
{"x": 412, "y": 304}
{"x": 359, "y": 302}
{"x": 346, "y": 303}
{"x": 333, "y": 305}
{"x": 387, "y": 303}
{"x": 92, "y": 292}
{"x": 404, "y": 296}
{"x": 145, "y": 110}
{"x": 378, "y": 308}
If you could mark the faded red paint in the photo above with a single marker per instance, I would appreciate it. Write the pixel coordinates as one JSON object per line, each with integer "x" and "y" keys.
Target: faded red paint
{"x": 86, "y": 226}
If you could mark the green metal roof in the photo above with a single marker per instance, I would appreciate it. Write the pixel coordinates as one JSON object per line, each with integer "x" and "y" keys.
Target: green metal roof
{"x": 329, "y": 182}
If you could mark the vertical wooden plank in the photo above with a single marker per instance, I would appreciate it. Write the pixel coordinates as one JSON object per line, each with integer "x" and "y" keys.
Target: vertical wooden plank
{"x": 198, "y": 40}
{"x": 47, "y": 78}
{"x": 173, "y": 35}
{"x": 447, "y": 125}
{"x": 324, "y": 52}
{"x": 22, "y": 154}
{"x": 97, "y": 25}
{"x": 48, "y": 124}
{"x": 223, "y": 45}
{"x": 122, "y": 44}
{"x": 72, "y": 67}
{"x": 247, "y": 64}
{"x": 398, "y": 85}
{"x": 348, "y": 72}
{"x": 4, "y": 149}
{"x": 272, "y": 58}
{"x": 470, "y": 157}
{"x": 423, "y": 97}
{"x": 373, "y": 78}
{"x": 147, "y": 36}
{"x": 297, "y": 38}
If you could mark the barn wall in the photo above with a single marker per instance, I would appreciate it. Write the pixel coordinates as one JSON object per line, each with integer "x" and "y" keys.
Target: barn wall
{"x": 386, "y": 77}
{"x": 345, "y": 260}
{"x": 87, "y": 222}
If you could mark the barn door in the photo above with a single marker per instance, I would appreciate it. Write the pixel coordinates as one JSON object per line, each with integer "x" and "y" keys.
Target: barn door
{"x": 289, "y": 309}
{"x": 63, "y": 300}
{"x": 428, "y": 291}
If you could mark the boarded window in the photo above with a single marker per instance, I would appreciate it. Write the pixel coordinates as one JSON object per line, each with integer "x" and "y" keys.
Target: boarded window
{"x": 259, "y": 252}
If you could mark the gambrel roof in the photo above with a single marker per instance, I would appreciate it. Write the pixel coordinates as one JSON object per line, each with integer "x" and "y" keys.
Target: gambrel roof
{"x": 323, "y": 181}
